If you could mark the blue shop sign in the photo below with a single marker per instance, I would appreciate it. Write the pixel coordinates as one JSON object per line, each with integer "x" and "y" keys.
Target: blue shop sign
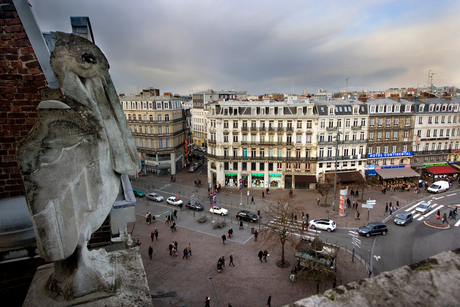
{"x": 390, "y": 154}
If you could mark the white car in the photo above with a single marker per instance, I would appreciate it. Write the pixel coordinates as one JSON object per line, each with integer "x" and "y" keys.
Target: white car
{"x": 323, "y": 224}
{"x": 155, "y": 197}
{"x": 173, "y": 200}
{"x": 218, "y": 210}
{"x": 423, "y": 207}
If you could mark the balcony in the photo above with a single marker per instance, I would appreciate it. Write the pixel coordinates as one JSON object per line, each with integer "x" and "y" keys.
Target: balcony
{"x": 261, "y": 159}
{"x": 356, "y": 128}
{"x": 254, "y": 129}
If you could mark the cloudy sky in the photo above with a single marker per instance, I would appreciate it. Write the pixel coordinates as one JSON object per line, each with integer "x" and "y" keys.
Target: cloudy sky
{"x": 267, "y": 46}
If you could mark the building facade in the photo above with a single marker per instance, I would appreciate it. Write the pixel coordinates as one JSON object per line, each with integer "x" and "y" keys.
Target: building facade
{"x": 159, "y": 127}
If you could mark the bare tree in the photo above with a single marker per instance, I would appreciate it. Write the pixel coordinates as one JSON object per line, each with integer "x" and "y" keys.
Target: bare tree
{"x": 325, "y": 188}
{"x": 283, "y": 225}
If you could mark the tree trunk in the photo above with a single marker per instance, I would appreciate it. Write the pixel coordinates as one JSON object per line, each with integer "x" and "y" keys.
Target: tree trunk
{"x": 317, "y": 287}
{"x": 282, "y": 252}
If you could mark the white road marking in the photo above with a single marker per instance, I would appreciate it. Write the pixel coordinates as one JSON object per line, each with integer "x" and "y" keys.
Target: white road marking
{"x": 458, "y": 223}
{"x": 441, "y": 197}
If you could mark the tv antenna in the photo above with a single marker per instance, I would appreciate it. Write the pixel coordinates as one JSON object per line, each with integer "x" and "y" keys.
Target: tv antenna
{"x": 346, "y": 88}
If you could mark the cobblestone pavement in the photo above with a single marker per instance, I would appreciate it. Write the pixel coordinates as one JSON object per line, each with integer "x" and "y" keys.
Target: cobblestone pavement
{"x": 175, "y": 281}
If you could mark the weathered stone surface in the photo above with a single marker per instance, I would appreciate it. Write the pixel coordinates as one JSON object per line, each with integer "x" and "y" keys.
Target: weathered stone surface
{"x": 124, "y": 272}
{"x": 431, "y": 282}
{"x": 71, "y": 163}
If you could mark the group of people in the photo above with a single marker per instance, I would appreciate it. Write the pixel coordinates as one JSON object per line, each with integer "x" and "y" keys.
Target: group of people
{"x": 354, "y": 193}
{"x": 391, "y": 208}
{"x": 263, "y": 254}
{"x": 149, "y": 218}
{"x": 221, "y": 263}
{"x": 154, "y": 234}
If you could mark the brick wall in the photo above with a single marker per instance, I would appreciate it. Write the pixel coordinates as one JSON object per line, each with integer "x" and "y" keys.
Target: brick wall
{"x": 21, "y": 84}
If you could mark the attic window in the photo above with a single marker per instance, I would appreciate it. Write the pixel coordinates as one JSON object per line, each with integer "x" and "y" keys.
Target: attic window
{"x": 322, "y": 109}
{"x": 397, "y": 107}
{"x": 421, "y": 107}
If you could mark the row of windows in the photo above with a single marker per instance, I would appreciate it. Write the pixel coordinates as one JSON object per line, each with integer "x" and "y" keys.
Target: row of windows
{"x": 151, "y": 130}
{"x": 435, "y": 134}
{"x": 149, "y": 143}
{"x": 263, "y": 123}
{"x": 338, "y": 123}
{"x": 346, "y": 151}
{"x": 264, "y": 111}
{"x": 380, "y": 122}
{"x": 387, "y": 135}
{"x": 407, "y": 108}
{"x": 386, "y": 148}
{"x": 437, "y": 119}
{"x": 160, "y": 105}
{"x": 253, "y": 166}
{"x": 254, "y": 152}
{"x": 144, "y": 117}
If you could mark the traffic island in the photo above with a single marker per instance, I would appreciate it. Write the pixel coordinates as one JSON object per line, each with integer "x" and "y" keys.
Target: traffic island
{"x": 437, "y": 225}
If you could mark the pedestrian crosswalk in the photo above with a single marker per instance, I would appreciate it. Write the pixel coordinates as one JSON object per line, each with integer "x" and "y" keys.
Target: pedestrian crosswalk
{"x": 434, "y": 208}
{"x": 296, "y": 228}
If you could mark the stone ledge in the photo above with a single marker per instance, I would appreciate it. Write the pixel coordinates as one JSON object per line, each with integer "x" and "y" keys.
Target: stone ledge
{"x": 430, "y": 282}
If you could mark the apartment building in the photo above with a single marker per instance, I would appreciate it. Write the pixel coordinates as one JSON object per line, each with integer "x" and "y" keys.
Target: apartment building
{"x": 390, "y": 136}
{"x": 159, "y": 127}
{"x": 341, "y": 138}
{"x": 436, "y": 139}
{"x": 200, "y": 101}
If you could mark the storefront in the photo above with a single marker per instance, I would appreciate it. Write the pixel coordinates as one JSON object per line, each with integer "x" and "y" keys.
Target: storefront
{"x": 231, "y": 179}
{"x": 274, "y": 180}
{"x": 257, "y": 180}
{"x": 435, "y": 172}
{"x": 305, "y": 181}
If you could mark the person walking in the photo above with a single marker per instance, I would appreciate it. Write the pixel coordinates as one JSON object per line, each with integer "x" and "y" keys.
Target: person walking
{"x": 438, "y": 214}
{"x": 261, "y": 254}
{"x": 265, "y": 255}
{"x": 152, "y": 235}
{"x": 231, "y": 261}
{"x": 156, "y": 233}
{"x": 171, "y": 246}
{"x": 444, "y": 218}
{"x": 224, "y": 237}
{"x": 308, "y": 216}
{"x": 241, "y": 225}
{"x": 256, "y": 233}
{"x": 252, "y": 200}
{"x": 230, "y": 233}
{"x": 263, "y": 194}
{"x": 189, "y": 248}
{"x": 185, "y": 253}
{"x": 317, "y": 202}
{"x": 391, "y": 210}
{"x": 150, "y": 252}
{"x": 386, "y": 208}
{"x": 223, "y": 260}
{"x": 269, "y": 301}
{"x": 206, "y": 302}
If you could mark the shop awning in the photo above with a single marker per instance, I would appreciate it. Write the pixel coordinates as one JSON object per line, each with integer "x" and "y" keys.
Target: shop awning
{"x": 402, "y": 172}
{"x": 305, "y": 178}
{"x": 439, "y": 170}
{"x": 345, "y": 177}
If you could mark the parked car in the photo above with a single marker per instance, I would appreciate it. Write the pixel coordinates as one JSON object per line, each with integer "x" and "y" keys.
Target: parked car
{"x": 174, "y": 200}
{"x": 138, "y": 193}
{"x": 323, "y": 224}
{"x": 203, "y": 149}
{"x": 196, "y": 206}
{"x": 438, "y": 187}
{"x": 373, "y": 228}
{"x": 403, "y": 218}
{"x": 194, "y": 167}
{"x": 218, "y": 210}
{"x": 155, "y": 197}
{"x": 423, "y": 208}
{"x": 247, "y": 216}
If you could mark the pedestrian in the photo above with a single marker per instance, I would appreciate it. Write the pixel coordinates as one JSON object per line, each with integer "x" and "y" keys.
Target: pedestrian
{"x": 265, "y": 255}
{"x": 147, "y": 219}
{"x": 175, "y": 244}
{"x": 357, "y": 193}
{"x": 269, "y": 302}
{"x": 308, "y": 216}
{"x": 189, "y": 248}
{"x": 223, "y": 260}
{"x": 224, "y": 237}
{"x": 206, "y": 302}
{"x": 263, "y": 195}
{"x": 450, "y": 214}
{"x": 352, "y": 193}
{"x": 150, "y": 252}
{"x": 386, "y": 208}
{"x": 261, "y": 254}
{"x": 231, "y": 261}
{"x": 391, "y": 211}
{"x": 444, "y": 218}
{"x": 156, "y": 233}
{"x": 185, "y": 253}
{"x": 317, "y": 201}
{"x": 194, "y": 182}
{"x": 252, "y": 200}
{"x": 357, "y": 214}
{"x": 268, "y": 191}
{"x": 152, "y": 235}
{"x": 230, "y": 233}
{"x": 166, "y": 219}
{"x": 169, "y": 219}
{"x": 455, "y": 212}
{"x": 438, "y": 214}
{"x": 173, "y": 227}
{"x": 171, "y": 178}
{"x": 256, "y": 233}
{"x": 241, "y": 225}
{"x": 171, "y": 246}
{"x": 397, "y": 204}
{"x": 175, "y": 213}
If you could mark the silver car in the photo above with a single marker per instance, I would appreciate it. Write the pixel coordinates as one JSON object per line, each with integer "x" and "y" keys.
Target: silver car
{"x": 155, "y": 197}
{"x": 423, "y": 208}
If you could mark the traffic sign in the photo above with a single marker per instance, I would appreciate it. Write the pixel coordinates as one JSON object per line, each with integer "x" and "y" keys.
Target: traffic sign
{"x": 369, "y": 204}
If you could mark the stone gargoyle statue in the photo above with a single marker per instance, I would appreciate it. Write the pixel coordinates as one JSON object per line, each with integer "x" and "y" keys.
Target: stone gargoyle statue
{"x": 71, "y": 163}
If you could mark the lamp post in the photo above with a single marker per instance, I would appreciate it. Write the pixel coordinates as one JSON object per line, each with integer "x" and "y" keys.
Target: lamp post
{"x": 335, "y": 167}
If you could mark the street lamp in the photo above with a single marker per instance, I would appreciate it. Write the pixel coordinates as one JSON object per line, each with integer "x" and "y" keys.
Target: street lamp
{"x": 337, "y": 138}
